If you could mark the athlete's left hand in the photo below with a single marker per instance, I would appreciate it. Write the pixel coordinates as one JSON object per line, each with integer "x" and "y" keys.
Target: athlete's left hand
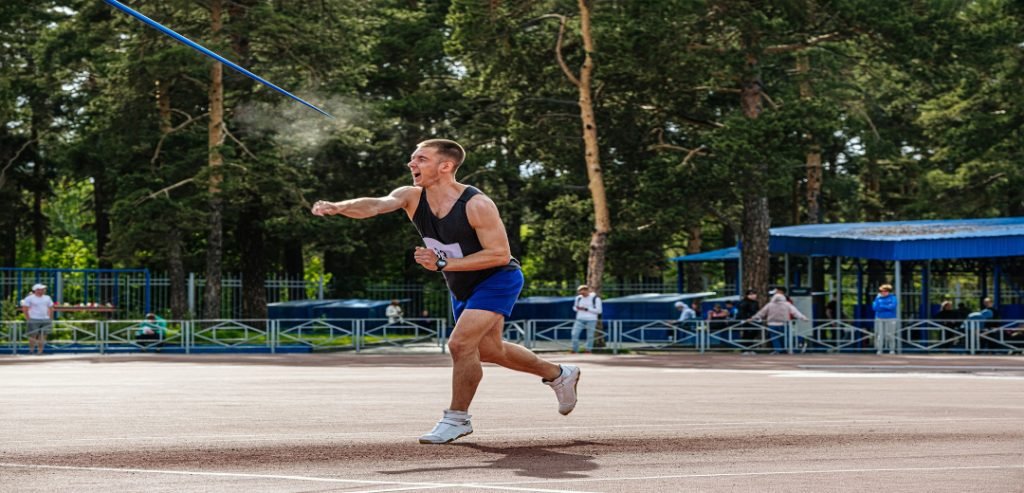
{"x": 426, "y": 257}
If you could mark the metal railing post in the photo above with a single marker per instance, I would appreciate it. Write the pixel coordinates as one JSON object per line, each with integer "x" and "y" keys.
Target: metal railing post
{"x": 357, "y": 336}
{"x": 101, "y": 334}
{"x": 186, "y": 335}
{"x": 972, "y": 336}
{"x": 788, "y": 336}
{"x": 192, "y": 293}
{"x": 898, "y": 341}
{"x": 272, "y": 335}
{"x": 531, "y": 327}
{"x": 616, "y": 335}
{"x": 444, "y": 336}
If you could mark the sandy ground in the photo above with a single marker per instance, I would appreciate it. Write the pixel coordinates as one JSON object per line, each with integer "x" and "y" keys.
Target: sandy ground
{"x": 657, "y": 423}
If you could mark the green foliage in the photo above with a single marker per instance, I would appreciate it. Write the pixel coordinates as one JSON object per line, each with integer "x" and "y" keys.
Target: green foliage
{"x": 909, "y": 124}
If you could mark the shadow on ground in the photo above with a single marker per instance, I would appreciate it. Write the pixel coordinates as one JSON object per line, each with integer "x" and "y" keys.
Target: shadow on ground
{"x": 535, "y": 461}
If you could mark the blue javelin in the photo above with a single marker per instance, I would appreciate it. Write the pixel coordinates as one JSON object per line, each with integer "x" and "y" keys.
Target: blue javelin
{"x": 203, "y": 50}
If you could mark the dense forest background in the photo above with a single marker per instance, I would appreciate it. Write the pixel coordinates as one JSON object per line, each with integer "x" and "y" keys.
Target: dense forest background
{"x": 712, "y": 121}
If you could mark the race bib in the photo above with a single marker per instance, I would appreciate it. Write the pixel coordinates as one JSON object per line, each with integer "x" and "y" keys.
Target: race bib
{"x": 442, "y": 250}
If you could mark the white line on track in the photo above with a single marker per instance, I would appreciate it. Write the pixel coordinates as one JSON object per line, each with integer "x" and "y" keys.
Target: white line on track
{"x": 767, "y": 473}
{"x": 517, "y": 431}
{"x": 402, "y": 485}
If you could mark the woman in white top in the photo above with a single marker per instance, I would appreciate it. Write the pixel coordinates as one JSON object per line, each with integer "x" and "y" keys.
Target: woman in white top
{"x": 38, "y": 310}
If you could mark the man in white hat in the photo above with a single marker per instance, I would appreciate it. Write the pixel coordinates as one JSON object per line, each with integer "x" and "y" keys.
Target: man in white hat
{"x": 588, "y": 308}
{"x": 38, "y": 310}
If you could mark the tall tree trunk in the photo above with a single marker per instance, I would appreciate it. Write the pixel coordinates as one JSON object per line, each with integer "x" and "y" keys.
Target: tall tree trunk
{"x": 175, "y": 260}
{"x": 103, "y": 196}
{"x": 756, "y": 223}
{"x": 253, "y": 253}
{"x": 294, "y": 267}
{"x": 694, "y": 270}
{"x": 38, "y": 220}
{"x": 756, "y": 216}
{"x": 872, "y": 184}
{"x": 215, "y": 236}
{"x": 592, "y": 152}
{"x": 176, "y": 268}
{"x": 40, "y": 184}
{"x": 814, "y": 169}
{"x": 9, "y": 245}
{"x": 602, "y": 217}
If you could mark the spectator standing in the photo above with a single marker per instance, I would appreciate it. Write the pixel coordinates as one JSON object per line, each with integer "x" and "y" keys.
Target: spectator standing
{"x": 776, "y": 314}
{"x": 746, "y": 310}
{"x": 38, "y": 310}
{"x": 588, "y": 308}
{"x": 393, "y": 312}
{"x": 886, "y": 308}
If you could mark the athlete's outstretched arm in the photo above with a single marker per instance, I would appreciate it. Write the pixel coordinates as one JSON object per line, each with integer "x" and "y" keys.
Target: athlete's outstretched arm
{"x": 365, "y": 207}
{"x": 484, "y": 218}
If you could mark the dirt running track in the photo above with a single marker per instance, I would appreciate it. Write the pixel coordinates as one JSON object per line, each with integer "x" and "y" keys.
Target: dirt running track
{"x": 645, "y": 423}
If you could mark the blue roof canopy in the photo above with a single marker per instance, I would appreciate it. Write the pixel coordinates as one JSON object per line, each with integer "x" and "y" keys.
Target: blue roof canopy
{"x": 904, "y": 240}
{"x": 731, "y": 253}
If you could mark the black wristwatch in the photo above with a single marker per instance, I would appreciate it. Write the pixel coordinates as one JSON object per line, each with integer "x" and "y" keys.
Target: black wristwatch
{"x": 441, "y": 264}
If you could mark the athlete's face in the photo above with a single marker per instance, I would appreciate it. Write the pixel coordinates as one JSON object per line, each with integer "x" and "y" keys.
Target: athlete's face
{"x": 426, "y": 166}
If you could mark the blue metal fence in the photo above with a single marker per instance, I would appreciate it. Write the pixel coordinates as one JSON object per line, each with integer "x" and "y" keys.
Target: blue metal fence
{"x": 614, "y": 336}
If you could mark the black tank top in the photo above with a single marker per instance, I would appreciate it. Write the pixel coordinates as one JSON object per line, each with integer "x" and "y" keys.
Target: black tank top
{"x": 453, "y": 237}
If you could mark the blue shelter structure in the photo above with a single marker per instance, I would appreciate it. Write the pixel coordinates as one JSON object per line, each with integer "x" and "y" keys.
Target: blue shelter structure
{"x": 730, "y": 254}
{"x": 986, "y": 247}
{"x": 649, "y": 306}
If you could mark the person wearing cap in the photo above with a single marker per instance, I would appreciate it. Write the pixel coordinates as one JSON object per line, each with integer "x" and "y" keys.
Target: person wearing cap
{"x": 887, "y": 321}
{"x": 587, "y": 307}
{"x": 38, "y": 310}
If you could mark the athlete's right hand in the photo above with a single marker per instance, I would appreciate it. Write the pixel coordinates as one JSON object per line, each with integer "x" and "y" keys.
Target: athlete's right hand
{"x": 323, "y": 208}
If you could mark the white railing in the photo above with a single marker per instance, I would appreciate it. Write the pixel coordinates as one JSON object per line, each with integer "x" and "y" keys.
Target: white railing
{"x": 831, "y": 336}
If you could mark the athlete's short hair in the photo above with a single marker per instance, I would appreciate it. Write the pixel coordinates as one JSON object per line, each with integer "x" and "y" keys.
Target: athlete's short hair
{"x": 447, "y": 148}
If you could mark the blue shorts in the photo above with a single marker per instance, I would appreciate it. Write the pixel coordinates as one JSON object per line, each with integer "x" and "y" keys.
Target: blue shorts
{"x": 497, "y": 294}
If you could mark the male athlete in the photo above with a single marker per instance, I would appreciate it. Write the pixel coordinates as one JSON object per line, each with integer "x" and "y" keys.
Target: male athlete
{"x": 465, "y": 241}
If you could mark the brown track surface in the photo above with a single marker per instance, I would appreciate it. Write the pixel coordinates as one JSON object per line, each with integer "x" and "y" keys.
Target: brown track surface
{"x": 659, "y": 422}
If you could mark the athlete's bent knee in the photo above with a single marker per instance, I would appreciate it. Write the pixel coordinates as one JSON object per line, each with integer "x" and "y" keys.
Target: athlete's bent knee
{"x": 459, "y": 348}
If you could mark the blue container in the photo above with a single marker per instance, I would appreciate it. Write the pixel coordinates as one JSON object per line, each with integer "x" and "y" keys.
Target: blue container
{"x": 294, "y": 310}
{"x": 648, "y": 307}
{"x": 356, "y": 308}
{"x": 554, "y": 309}
{"x": 544, "y": 307}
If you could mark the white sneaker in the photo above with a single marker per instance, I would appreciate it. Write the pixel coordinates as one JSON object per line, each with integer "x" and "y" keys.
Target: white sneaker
{"x": 565, "y": 388}
{"x": 452, "y": 426}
